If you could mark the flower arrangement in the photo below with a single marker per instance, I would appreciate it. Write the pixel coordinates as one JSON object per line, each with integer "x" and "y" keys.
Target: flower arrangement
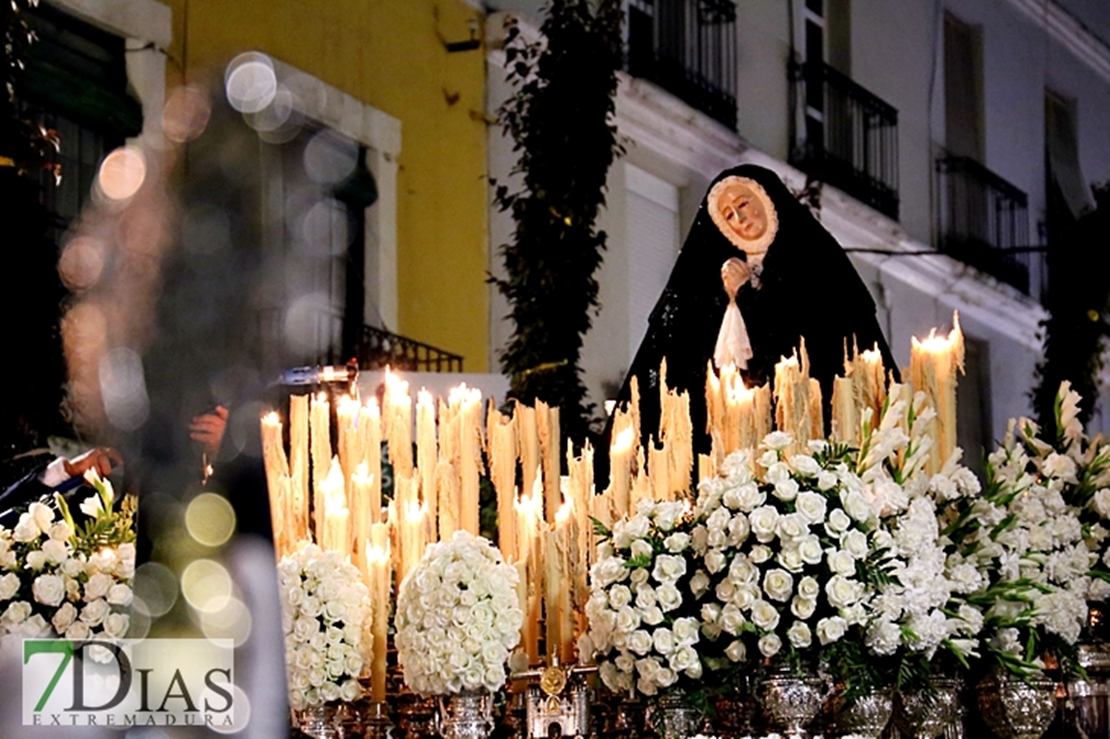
{"x": 458, "y": 617}
{"x": 1027, "y": 542}
{"x": 642, "y": 611}
{"x": 65, "y": 579}
{"x": 786, "y": 551}
{"x": 918, "y": 607}
{"x": 325, "y": 610}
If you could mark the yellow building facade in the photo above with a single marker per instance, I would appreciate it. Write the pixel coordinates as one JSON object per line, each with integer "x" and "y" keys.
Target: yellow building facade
{"x": 392, "y": 55}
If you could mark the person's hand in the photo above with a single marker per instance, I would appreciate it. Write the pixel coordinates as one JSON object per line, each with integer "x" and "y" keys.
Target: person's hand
{"x": 207, "y": 429}
{"x": 734, "y": 273}
{"x": 102, "y": 460}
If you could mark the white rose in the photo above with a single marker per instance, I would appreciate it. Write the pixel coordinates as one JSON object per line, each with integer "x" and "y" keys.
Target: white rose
{"x": 663, "y": 641}
{"x": 48, "y": 589}
{"x": 63, "y": 617}
{"x": 26, "y": 529}
{"x": 677, "y": 542}
{"x": 842, "y": 592}
{"x": 770, "y": 645}
{"x": 641, "y": 548}
{"x": 55, "y": 551}
{"x": 792, "y": 526}
{"x": 715, "y": 561}
{"x": 799, "y": 635}
{"x": 94, "y": 613}
{"x": 36, "y": 560}
{"x": 98, "y": 586}
{"x": 826, "y": 480}
{"x": 776, "y": 473}
{"x": 763, "y": 521}
{"x": 619, "y": 597}
{"x": 803, "y": 608}
{"x": 682, "y": 659}
{"x": 838, "y": 522}
{"x": 116, "y": 625}
{"x": 805, "y": 465}
{"x": 809, "y": 550}
{"x": 777, "y": 440}
{"x": 764, "y": 615}
{"x": 791, "y": 559}
{"x": 856, "y": 505}
{"x": 841, "y": 562}
{"x": 60, "y": 531}
{"x": 119, "y": 595}
{"x": 668, "y": 568}
{"x": 778, "y": 584}
{"x": 811, "y": 506}
{"x": 43, "y": 516}
{"x": 760, "y": 553}
{"x": 808, "y": 588}
{"x": 686, "y": 631}
{"x": 855, "y": 543}
{"x": 668, "y": 596}
{"x": 736, "y": 651}
{"x": 787, "y": 490}
{"x": 699, "y": 583}
{"x": 639, "y": 641}
{"x": 831, "y": 629}
{"x": 15, "y": 614}
{"x": 9, "y": 586}
{"x": 652, "y": 616}
{"x": 732, "y": 619}
{"x": 749, "y": 497}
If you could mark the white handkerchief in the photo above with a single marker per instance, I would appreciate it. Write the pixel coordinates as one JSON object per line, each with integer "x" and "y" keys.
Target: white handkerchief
{"x": 733, "y": 345}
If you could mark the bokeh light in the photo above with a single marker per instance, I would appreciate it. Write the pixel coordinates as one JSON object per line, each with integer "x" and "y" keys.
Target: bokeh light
{"x": 250, "y": 82}
{"x": 210, "y": 519}
{"x": 233, "y": 621}
{"x": 206, "y": 585}
{"x": 122, "y": 173}
{"x": 155, "y": 589}
{"x": 81, "y": 263}
{"x": 123, "y": 389}
{"x": 329, "y": 158}
{"x": 186, "y": 114}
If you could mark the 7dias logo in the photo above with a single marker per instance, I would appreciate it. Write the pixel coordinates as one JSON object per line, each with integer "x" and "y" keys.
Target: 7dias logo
{"x": 129, "y": 682}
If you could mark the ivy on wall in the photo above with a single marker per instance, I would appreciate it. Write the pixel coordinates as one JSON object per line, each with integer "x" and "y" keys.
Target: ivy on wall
{"x": 1077, "y": 303}
{"x": 560, "y": 119}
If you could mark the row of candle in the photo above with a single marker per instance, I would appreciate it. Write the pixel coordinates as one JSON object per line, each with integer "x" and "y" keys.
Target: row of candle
{"x": 544, "y": 525}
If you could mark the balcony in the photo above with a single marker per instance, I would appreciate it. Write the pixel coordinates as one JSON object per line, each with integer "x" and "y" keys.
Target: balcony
{"x": 983, "y": 220}
{"x": 379, "y": 348}
{"x": 687, "y": 47}
{"x": 844, "y": 135}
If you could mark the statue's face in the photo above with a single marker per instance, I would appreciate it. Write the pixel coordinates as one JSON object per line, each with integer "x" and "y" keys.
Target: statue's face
{"x": 743, "y": 212}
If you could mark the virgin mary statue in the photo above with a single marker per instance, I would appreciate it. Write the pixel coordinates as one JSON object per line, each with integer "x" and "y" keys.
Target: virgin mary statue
{"x": 753, "y": 246}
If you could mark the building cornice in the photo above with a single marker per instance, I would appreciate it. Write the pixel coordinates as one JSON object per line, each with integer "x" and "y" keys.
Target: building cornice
{"x": 1066, "y": 30}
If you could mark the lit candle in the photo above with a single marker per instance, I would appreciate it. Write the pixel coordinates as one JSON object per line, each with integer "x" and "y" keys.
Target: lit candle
{"x": 529, "y": 512}
{"x": 470, "y": 457}
{"x": 547, "y": 424}
{"x": 278, "y": 482}
{"x": 660, "y": 474}
{"x": 359, "y": 503}
{"x": 795, "y": 397}
{"x": 933, "y": 366}
{"x": 370, "y": 427}
{"x": 845, "y": 414}
{"x": 298, "y": 462}
{"x": 412, "y": 536}
{"x": 447, "y": 487}
{"x": 501, "y": 433}
{"x": 378, "y": 563}
{"x": 427, "y": 455}
{"x": 398, "y": 411}
{"x": 528, "y": 442}
{"x": 320, "y": 445}
{"x": 620, "y": 470}
{"x": 333, "y": 516}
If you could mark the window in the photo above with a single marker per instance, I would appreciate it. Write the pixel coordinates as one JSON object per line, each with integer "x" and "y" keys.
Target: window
{"x": 652, "y": 235}
{"x": 963, "y": 81}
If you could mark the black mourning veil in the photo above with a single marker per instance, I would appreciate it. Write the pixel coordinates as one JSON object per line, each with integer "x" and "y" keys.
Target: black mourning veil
{"x": 808, "y": 288}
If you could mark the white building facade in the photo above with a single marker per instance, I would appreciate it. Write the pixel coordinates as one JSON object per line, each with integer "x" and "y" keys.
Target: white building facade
{"x": 940, "y": 130}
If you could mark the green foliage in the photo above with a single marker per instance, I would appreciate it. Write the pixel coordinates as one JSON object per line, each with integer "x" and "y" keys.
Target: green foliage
{"x": 561, "y": 122}
{"x": 1077, "y": 305}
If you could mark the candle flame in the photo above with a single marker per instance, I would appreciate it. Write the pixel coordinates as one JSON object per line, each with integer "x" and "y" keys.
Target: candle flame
{"x": 414, "y": 512}
{"x": 271, "y": 419}
{"x": 362, "y": 472}
{"x": 623, "y": 442}
{"x": 872, "y": 356}
{"x": 424, "y": 398}
{"x": 566, "y": 510}
{"x": 375, "y": 554}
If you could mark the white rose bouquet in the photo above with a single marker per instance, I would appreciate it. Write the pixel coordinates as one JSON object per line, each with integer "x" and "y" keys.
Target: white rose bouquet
{"x": 457, "y": 617}
{"x": 918, "y": 607}
{"x": 787, "y": 553}
{"x": 325, "y": 610}
{"x": 1028, "y": 544}
{"x": 642, "y": 613}
{"x": 66, "y": 580}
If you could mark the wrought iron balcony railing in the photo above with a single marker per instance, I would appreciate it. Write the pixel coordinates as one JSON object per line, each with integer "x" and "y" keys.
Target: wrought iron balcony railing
{"x": 687, "y": 47}
{"x": 379, "y": 348}
{"x": 844, "y": 135}
{"x": 983, "y": 220}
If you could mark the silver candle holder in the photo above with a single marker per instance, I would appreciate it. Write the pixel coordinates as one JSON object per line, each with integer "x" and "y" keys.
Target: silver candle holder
{"x": 556, "y": 696}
